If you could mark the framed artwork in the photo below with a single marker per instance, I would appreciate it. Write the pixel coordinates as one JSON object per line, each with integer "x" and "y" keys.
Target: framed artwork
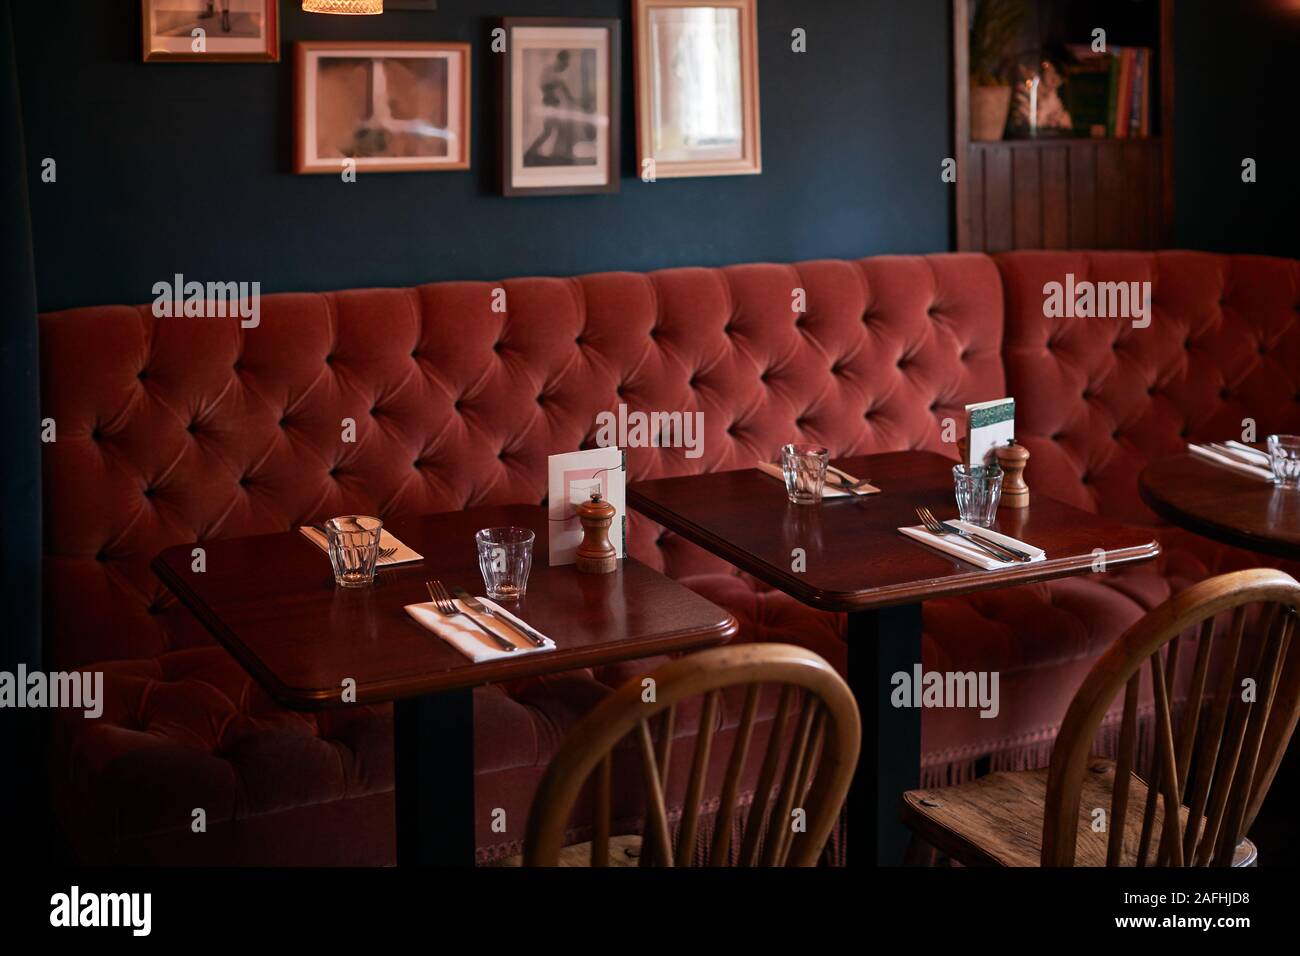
{"x": 560, "y": 129}
{"x": 389, "y": 107}
{"x": 697, "y": 87}
{"x": 205, "y": 30}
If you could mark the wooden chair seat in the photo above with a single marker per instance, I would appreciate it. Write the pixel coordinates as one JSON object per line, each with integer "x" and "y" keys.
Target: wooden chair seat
{"x": 623, "y": 851}
{"x": 997, "y": 820}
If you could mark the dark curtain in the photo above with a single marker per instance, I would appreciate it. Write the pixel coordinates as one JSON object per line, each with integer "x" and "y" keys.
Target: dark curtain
{"x": 21, "y": 764}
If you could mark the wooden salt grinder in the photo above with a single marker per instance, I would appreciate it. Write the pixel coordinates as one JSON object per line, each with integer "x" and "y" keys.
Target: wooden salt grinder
{"x": 595, "y": 555}
{"x": 1013, "y": 458}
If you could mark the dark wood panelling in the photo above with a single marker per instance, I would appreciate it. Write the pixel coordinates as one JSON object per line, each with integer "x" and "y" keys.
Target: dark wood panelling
{"x": 1054, "y": 175}
{"x": 1084, "y": 194}
{"x": 1026, "y": 199}
{"x": 997, "y": 201}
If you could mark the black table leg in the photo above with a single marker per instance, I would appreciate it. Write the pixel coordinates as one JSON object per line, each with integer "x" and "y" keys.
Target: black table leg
{"x": 882, "y": 643}
{"x": 434, "y": 779}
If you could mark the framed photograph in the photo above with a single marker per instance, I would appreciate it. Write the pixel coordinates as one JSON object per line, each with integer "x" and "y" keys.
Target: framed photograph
{"x": 560, "y": 100}
{"x": 697, "y": 87}
{"x": 204, "y": 30}
{"x": 390, "y": 107}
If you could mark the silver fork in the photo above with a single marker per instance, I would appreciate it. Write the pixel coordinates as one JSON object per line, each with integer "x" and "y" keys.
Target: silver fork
{"x": 447, "y": 608}
{"x": 935, "y": 526}
{"x": 474, "y": 604}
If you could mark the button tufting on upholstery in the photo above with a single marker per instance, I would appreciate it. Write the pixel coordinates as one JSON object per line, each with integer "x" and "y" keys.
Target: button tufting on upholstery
{"x": 142, "y": 374}
{"x": 95, "y": 434}
{"x": 149, "y": 492}
{"x": 329, "y": 358}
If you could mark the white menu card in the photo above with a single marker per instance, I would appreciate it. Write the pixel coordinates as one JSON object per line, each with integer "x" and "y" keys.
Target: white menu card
{"x": 572, "y": 479}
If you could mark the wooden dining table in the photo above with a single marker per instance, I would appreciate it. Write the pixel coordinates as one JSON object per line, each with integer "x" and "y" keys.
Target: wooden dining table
{"x": 271, "y": 601}
{"x": 1224, "y": 505}
{"x": 856, "y": 561}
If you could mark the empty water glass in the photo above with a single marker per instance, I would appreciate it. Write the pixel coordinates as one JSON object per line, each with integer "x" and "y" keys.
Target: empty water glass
{"x": 505, "y": 556}
{"x": 804, "y": 468}
{"x": 354, "y": 549}
{"x": 1284, "y": 456}
{"x": 979, "y": 488}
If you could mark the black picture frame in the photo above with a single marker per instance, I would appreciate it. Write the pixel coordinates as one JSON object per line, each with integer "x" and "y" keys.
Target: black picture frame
{"x": 613, "y": 72}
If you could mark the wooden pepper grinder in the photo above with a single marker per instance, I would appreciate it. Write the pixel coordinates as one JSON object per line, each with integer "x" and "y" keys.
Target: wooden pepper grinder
{"x": 595, "y": 555}
{"x": 1013, "y": 458}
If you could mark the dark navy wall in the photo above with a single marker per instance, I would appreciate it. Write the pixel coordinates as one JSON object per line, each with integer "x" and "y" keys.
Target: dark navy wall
{"x": 166, "y": 168}
{"x": 1236, "y": 97}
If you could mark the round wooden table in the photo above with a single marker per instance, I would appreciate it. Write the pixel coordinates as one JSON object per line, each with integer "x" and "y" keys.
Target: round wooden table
{"x": 1222, "y": 504}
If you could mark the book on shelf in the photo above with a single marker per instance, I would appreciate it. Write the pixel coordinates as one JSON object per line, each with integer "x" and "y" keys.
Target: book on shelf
{"x": 1109, "y": 94}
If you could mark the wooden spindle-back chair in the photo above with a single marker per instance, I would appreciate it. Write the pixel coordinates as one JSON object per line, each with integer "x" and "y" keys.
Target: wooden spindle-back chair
{"x": 819, "y": 760}
{"x": 1209, "y": 775}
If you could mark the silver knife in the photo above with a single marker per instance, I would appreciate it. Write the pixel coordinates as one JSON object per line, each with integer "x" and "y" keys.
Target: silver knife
{"x": 1014, "y": 552}
{"x": 474, "y": 604}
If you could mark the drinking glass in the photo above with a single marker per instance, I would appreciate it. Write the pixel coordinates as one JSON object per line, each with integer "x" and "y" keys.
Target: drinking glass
{"x": 505, "y": 556}
{"x": 354, "y": 549}
{"x": 979, "y": 488}
{"x": 804, "y": 468}
{"x": 1284, "y": 456}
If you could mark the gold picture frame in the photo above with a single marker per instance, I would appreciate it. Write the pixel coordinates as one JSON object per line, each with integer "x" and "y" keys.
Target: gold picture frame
{"x": 233, "y": 31}
{"x": 416, "y": 120}
{"x": 697, "y": 98}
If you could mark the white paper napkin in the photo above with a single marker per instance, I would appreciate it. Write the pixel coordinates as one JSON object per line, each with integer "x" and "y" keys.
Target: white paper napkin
{"x": 468, "y": 639}
{"x": 403, "y": 554}
{"x": 1209, "y": 454}
{"x": 830, "y": 490}
{"x": 1261, "y": 458}
{"x": 960, "y": 548}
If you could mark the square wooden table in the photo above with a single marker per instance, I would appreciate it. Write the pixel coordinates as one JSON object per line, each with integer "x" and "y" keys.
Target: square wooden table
{"x": 858, "y": 562}
{"x": 271, "y": 601}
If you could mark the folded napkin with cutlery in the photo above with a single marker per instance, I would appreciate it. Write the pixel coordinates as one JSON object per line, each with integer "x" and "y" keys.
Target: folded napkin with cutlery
{"x": 831, "y": 489}
{"x": 1237, "y": 456}
{"x": 468, "y": 639}
{"x": 971, "y": 554}
{"x": 403, "y": 554}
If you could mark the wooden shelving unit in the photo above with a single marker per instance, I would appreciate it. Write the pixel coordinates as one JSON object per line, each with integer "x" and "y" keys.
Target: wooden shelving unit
{"x": 1064, "y": 193}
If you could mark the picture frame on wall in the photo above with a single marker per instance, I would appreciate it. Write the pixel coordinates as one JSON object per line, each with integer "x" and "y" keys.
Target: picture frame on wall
{"x": 211, "y": 30}
{"x": 560, "y": 130}
{"x": 387, "y": 106}
{"x": 697, "y": 87}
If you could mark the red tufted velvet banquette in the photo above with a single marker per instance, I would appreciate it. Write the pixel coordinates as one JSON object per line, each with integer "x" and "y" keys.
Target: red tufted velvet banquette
{"x": 180, "y": 430}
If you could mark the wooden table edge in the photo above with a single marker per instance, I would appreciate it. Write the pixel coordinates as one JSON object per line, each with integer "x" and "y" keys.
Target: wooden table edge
{"x": 1224, "y": 534}
{"x": 527, "y": 665}
{"x": 893, "y": 595}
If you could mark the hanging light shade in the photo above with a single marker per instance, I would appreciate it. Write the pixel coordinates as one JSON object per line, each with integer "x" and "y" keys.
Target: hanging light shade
{"x": 353, "y": 7}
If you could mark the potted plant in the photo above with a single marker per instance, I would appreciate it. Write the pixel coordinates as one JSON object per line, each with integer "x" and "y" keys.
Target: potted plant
{"x": 994, "y": 28}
